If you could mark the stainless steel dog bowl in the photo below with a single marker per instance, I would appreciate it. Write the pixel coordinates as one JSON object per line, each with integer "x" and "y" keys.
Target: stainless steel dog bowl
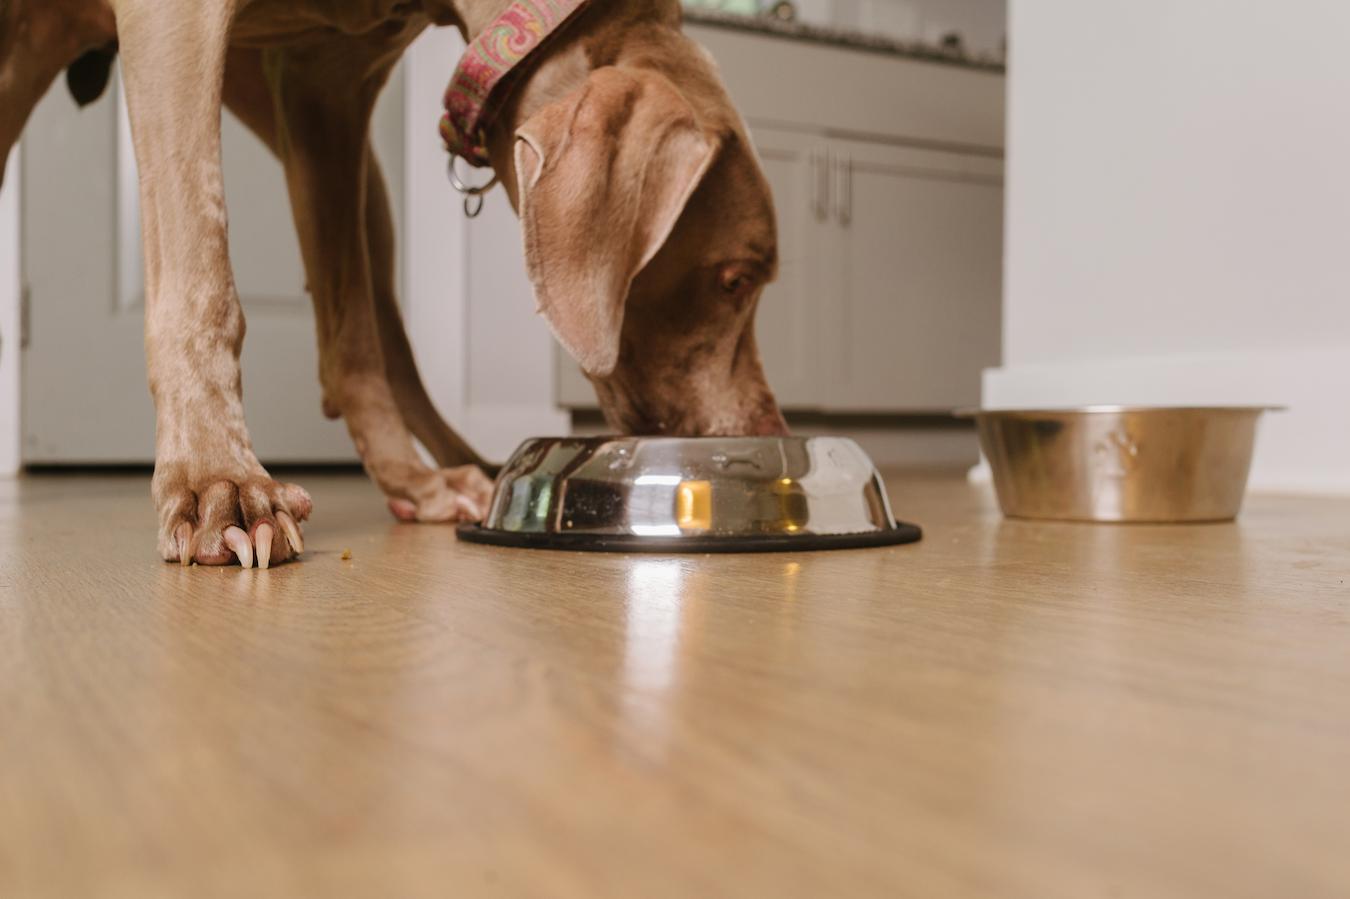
{"x": 711, "y": 494}
{"x": 1120, "y": 463}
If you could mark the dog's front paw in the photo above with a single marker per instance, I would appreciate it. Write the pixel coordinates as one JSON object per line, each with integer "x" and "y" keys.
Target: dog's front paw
{"x": 448, "y": 495}
{"x": 216, "y": 521}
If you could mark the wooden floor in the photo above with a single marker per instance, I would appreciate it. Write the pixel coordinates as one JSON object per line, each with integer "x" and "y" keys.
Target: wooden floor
{"x": 1007, "y": 709}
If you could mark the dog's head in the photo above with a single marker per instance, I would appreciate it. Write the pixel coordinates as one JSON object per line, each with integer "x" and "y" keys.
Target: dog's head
{"x": 39, "y": 38}
{"x": 649, "y": 237}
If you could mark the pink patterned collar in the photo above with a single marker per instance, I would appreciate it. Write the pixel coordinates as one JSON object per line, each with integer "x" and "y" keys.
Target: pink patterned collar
{"x": 489, "y": 59}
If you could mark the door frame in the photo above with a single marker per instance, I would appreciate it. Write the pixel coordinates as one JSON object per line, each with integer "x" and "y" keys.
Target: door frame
{"x": 11, "y": 318}
{"x": 435, "y": 232}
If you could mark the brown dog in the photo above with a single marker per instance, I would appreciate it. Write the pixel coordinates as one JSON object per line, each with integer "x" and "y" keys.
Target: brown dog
{"x": 648, "y": 225}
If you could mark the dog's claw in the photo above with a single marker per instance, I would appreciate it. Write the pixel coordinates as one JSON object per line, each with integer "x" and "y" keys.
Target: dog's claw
{"x": 403, "y": 510}
{"x": 228, "y": 520}
{"x": 183, "y": 538}
{"x": 263, "y": 538}
{"x": 292, "y": 532}
{"x": 239, "y": 544}
{"x": 468, "y": 510}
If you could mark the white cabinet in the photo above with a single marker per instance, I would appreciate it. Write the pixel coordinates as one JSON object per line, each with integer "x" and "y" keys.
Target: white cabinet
{"x": 913, "y": 285}
{"x": 889, "y": 294}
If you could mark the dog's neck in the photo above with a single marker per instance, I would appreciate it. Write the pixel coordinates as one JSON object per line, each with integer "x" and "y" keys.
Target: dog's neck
{"x": 476, "y": 15}
{"x": 569, "y": 57}
{"x": 601, "y": 36}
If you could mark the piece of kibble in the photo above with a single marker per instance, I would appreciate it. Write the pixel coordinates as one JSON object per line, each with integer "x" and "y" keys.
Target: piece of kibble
{"x": 346, "y": 555}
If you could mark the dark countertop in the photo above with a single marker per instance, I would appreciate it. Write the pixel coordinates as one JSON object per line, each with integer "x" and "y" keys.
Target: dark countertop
{"x": 843, "y": 37}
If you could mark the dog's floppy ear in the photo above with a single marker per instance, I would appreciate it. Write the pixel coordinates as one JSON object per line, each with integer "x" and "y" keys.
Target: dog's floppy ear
{"x": 87, "y": 77}
{"x": 603, "y": 175}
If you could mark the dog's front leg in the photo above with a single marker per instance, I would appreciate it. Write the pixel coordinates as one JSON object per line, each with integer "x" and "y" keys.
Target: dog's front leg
{"x": 249, "y": 97}
{"x": 215, "y": 501}
{"x": 325, "y": 91}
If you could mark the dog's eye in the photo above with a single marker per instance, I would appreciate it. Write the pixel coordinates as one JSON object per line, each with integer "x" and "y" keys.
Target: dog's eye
{"x": 736, "y": 279}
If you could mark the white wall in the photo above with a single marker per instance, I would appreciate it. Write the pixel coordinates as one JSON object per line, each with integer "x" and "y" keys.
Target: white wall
{"x": 10, "y": 289}
{"x": 1179, "y": 216}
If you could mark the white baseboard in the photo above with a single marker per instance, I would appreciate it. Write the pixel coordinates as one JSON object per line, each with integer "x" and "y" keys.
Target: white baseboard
{"x": 11, "y": 291}
{"x": 905, "y": 447}
{"x": 1303, "y": 450}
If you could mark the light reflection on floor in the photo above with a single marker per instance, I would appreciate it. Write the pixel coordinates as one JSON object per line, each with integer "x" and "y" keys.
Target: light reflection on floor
{"x": 653, "y": 605}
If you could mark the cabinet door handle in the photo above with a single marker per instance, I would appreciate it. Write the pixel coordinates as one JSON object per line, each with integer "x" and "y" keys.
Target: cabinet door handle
{"x": 844, "y": 196}
{"x": 820, "y": 185}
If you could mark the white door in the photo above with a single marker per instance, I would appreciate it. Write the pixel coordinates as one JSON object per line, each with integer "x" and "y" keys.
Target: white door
{"x": 85, "y": 395}
{"x": 914, "y": 316}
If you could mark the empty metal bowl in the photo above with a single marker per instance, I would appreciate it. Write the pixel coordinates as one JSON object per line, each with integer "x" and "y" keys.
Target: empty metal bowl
{"x": 710, "y": 494}
{"x": 1120, "y": 463}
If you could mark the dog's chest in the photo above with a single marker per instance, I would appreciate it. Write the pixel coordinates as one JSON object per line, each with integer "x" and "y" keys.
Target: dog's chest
{"x": 262, "y": 22}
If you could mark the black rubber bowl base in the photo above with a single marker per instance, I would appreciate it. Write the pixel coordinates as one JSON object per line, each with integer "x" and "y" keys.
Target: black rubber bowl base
{"x": 774, "y": 543}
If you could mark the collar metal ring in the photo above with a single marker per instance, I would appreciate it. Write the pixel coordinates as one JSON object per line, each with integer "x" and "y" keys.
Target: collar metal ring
{"x": 471, "y": 192}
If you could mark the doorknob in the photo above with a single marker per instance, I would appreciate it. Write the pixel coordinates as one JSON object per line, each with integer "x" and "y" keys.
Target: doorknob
{"x": 820, "y": 185}
{"x": 844, "y": 195}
